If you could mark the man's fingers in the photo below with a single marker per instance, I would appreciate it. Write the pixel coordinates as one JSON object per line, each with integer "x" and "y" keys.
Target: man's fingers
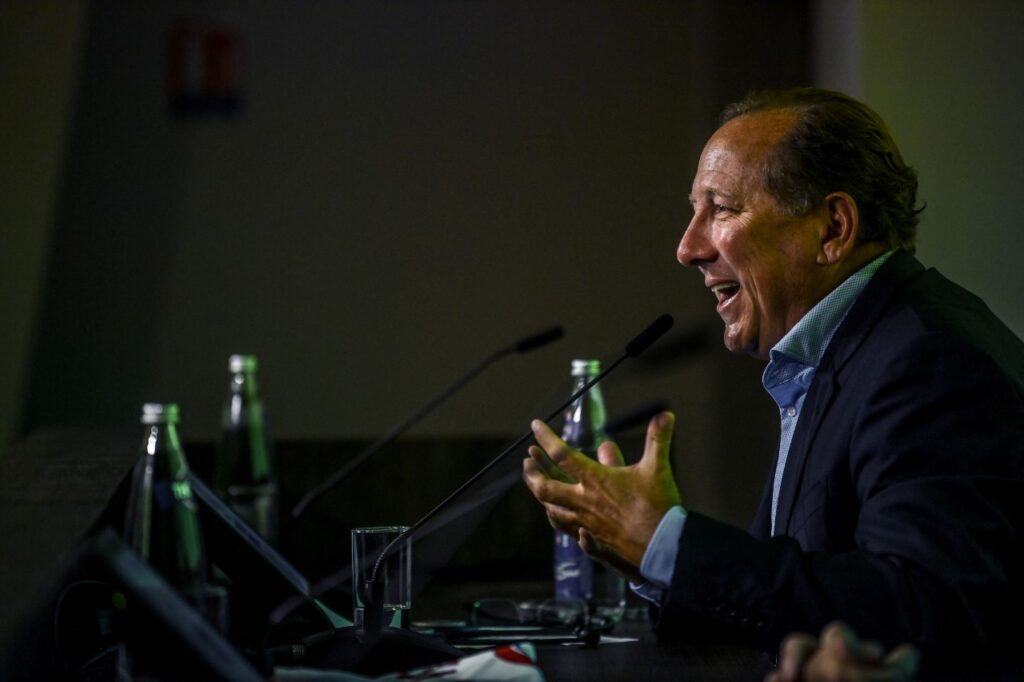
{"x": 587, "y": 542}
{"x": 545, "y": 486}
{"x": 902, "y": 662}
{"x": 841, "y": 639}
{"x": 549, "y": 440}
{"x": 562, "y": 518}
{"x": 536, "y": 478}
{"x": 610, "y": 455}
{"x": 547, "y": 466}
{"x": 871, "y": 651}
{"x": 793, "y": 653}
{"x": 533, "y": 472}
{"x": 567, "y": 459}
{"x": 841, "y": 655}
{"x": 658, "y": 442}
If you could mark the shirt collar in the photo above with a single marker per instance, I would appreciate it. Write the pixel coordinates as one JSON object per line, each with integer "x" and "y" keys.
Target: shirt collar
{"x": 806, "y": 342}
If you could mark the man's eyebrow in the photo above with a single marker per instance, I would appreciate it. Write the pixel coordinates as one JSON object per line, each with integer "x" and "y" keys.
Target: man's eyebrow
{"x": 709, "y": 194}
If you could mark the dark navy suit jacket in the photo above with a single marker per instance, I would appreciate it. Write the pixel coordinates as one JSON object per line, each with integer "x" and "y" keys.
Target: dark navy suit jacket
{"x": 901, "y": 510}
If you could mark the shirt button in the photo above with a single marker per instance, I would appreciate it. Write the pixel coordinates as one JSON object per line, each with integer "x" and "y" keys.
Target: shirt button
{"x": 791, "y": 411}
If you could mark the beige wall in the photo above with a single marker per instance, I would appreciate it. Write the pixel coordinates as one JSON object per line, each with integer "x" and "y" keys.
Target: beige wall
{"x": 951, "y": 78}
{"x": 948, "y": 77}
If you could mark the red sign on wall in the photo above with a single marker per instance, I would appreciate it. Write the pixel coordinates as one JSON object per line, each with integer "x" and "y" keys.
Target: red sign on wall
{"x": 203, "y": 70}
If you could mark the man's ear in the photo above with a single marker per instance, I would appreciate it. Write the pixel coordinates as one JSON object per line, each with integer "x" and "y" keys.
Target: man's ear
{"x": 841, "y": 230}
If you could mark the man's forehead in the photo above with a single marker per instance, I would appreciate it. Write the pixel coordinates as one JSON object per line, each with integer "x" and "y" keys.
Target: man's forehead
{"x": 721, "y": 172}
{"x": 751, "y": 136}
{"x": 736, "y": 149}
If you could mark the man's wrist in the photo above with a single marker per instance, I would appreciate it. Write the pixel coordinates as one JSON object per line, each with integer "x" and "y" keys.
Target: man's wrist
{"x": 659, "y": 559}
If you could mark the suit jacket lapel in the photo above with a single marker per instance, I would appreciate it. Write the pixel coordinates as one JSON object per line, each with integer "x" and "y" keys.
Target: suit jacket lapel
{"x": 859, "y": 322}
{"x": 761, "y": 526}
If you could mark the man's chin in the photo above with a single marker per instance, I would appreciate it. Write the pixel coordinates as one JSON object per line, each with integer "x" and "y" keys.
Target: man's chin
{"x": 737, "y": 342}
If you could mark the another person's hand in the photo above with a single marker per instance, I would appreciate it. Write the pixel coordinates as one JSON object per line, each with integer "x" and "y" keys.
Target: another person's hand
{"x": 840, "y": 656}
{"x": 613, "y": 509}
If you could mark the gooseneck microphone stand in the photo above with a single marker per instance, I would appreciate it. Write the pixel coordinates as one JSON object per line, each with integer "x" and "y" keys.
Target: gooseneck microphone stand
{"x": 371, "y": 640}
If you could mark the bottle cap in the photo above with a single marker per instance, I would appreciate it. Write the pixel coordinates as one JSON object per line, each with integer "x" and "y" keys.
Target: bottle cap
{"x": 585, "y": 368}
{"x": 242, "y": 363}
{"x": 160, "y": 413}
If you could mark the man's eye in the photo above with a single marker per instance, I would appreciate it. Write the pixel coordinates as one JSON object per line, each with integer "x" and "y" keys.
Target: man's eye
{"x": 721, "y": 208}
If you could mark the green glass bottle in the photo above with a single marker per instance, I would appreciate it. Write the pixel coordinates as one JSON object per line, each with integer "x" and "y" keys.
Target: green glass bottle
{"x": 244, "y": 471}
{"x": 162, "y": 523}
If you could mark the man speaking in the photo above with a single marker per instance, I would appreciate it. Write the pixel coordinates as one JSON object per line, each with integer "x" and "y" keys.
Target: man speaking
{"x": 896, "y": 502}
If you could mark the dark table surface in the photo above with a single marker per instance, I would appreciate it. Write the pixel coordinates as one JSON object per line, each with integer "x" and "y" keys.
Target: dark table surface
{"x": 644, "y": 658}
{"x": 649, "y": 659}
{"x": 54, "y": 487}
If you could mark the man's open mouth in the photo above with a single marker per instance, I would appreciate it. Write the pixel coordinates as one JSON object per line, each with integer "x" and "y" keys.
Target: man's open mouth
{"x": 725, "y": 291}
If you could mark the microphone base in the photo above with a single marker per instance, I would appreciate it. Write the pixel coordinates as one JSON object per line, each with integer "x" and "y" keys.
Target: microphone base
{"x": 391, "y": 650}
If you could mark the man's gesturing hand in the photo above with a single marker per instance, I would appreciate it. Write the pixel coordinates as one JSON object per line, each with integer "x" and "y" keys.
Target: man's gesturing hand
{"x": 840, "y": 656}
{"x": 618, "y": 506}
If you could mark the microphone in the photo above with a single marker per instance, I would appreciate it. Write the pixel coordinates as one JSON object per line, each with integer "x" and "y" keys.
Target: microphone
{"x": 364, "y": 639}
{"x": 536, "y": 341}
{"x": 641, "y": 342}
{"x": 523, "y": 345}
{"x": 634, "y": 348}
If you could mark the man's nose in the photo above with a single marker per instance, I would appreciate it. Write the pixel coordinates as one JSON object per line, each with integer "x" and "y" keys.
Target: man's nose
{"x": 695, "y": 247}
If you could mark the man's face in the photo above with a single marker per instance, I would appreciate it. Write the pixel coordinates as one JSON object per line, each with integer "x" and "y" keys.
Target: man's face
{"x": 760, "y": 263}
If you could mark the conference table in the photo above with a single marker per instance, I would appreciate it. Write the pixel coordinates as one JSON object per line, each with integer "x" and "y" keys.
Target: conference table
{"x": 56, "y": 487}
{"x": 649, "y": 659}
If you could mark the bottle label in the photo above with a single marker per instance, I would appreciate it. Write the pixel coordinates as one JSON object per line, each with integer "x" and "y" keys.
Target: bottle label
{"x": 573, "y": 569}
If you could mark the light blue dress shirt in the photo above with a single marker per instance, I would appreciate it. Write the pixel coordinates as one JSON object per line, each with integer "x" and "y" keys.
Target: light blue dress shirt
{"x": 787, "y": 378}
